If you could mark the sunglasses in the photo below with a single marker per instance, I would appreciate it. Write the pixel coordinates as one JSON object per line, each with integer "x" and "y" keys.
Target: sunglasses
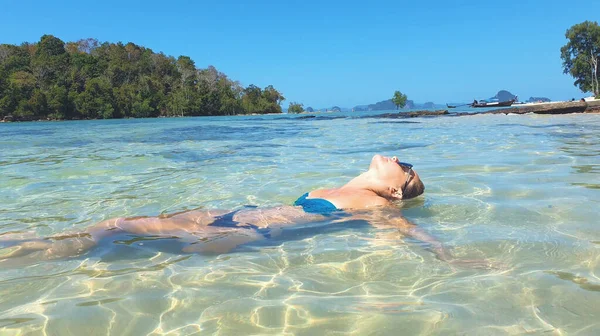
{"x": 408, "y": 175}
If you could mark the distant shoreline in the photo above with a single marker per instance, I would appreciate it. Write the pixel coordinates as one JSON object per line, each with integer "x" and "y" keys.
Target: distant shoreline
{"x": 589, "y": 106}
{"x": 572, "y": 107}
{"x": 133, "y": 118}
{"x": 576, "y": 107}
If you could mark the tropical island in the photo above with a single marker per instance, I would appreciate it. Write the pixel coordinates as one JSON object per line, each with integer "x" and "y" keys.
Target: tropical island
{"x": 89, "y": 79}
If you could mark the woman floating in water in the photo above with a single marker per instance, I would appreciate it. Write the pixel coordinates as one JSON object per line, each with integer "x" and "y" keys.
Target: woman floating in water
{"x": 369, "y": 197}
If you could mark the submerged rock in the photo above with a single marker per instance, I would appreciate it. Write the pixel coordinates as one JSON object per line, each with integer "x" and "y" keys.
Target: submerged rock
{"x": 414, "y": 114}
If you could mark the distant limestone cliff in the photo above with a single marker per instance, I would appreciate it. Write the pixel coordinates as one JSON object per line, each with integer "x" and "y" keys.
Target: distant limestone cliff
{"x": 379, "y": 106}
{"x": 387, "y": 105}
{"x": 503, "y": 96}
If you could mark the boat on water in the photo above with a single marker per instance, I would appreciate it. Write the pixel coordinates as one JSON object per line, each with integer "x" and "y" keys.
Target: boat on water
{"x": 493, "y": 104}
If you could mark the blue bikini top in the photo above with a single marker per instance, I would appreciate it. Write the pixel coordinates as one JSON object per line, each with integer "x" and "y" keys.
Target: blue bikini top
{"x": 315, "y": 205}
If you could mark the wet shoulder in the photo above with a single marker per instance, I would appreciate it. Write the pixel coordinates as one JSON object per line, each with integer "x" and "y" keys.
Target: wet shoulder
{"x": 320, "y": 193}
{"x": 349, "y": 199}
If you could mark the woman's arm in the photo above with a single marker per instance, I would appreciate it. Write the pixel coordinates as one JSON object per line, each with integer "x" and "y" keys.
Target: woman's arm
{"x": 386, "y": 218}
{"x": 395, "y": 219}
{"x": 411, "y": 230}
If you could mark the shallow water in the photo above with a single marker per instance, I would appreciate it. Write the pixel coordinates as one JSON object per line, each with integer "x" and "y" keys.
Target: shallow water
{"x": 520, "y": 191}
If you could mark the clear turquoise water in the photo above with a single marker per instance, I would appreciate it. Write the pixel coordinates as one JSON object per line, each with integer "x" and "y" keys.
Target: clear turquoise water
{"x": 521, "y": 191}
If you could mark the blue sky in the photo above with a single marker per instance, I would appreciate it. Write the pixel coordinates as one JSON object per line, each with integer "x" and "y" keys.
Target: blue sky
{"x": 345, "y": 53}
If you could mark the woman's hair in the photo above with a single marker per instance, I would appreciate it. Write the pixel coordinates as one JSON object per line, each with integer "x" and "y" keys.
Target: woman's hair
{"x": 413, "y": 189}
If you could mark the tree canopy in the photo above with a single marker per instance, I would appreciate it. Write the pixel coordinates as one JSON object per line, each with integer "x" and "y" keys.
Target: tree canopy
{"x": 581, "y": 54}
{"x": 88, "y": 79}
{"x": 296, "y": 108}
{"x": 399, "y": 99}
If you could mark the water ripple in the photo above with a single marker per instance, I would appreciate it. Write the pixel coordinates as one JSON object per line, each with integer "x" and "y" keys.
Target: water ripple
{"x": 518, "y": 193}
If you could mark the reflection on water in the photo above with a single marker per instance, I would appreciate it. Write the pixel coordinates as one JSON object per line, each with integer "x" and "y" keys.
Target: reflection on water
{"x": 521, "y": 192}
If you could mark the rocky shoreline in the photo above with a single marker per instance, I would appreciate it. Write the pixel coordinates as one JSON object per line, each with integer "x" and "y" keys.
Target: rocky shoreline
{"x": 544, "y": 108}
{"x": 549, "y": 108}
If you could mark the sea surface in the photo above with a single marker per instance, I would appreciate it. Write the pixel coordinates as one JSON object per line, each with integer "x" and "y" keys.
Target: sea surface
{"x": 521, "y": 193}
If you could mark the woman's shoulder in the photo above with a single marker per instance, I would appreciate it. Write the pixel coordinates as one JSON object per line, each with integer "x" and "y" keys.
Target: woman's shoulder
{"x": 320, "y": 193}
{"x": 349, "y": 198}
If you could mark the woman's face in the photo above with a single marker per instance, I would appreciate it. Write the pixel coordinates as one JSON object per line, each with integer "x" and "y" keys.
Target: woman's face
{"x": 389, "y": 173}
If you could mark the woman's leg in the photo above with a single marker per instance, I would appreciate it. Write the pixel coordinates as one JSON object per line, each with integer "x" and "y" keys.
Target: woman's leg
{"x": 76, "y": 243}
{"x": 212, "y": 231}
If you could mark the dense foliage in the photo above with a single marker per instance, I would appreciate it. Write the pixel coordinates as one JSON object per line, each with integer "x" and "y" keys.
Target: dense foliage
{"x": 88, "y": 80}
{"x": 295, "y": 108}
{"x": 581, "y": 55}
{"x": 399, "y": 99}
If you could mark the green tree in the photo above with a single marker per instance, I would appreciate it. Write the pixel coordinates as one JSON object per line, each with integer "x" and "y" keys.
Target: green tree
{"x": 50, "y": 61}
{"x": 271, "y": 100}
{"x": 251, "y": 99}
{"x": 295, "y": 108}
{"x": 14, "y": 58}
{"x": 399, "y": 99}
{"x": 96, "y": 101}
{"x": 59, "y": 106}
{"x": 89, "y": 79}
{"x": 38, "y": 104}
{"x": 21, "y": 85}
{"x": 230, "y": 94}
{"x": 581, "y": 54}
